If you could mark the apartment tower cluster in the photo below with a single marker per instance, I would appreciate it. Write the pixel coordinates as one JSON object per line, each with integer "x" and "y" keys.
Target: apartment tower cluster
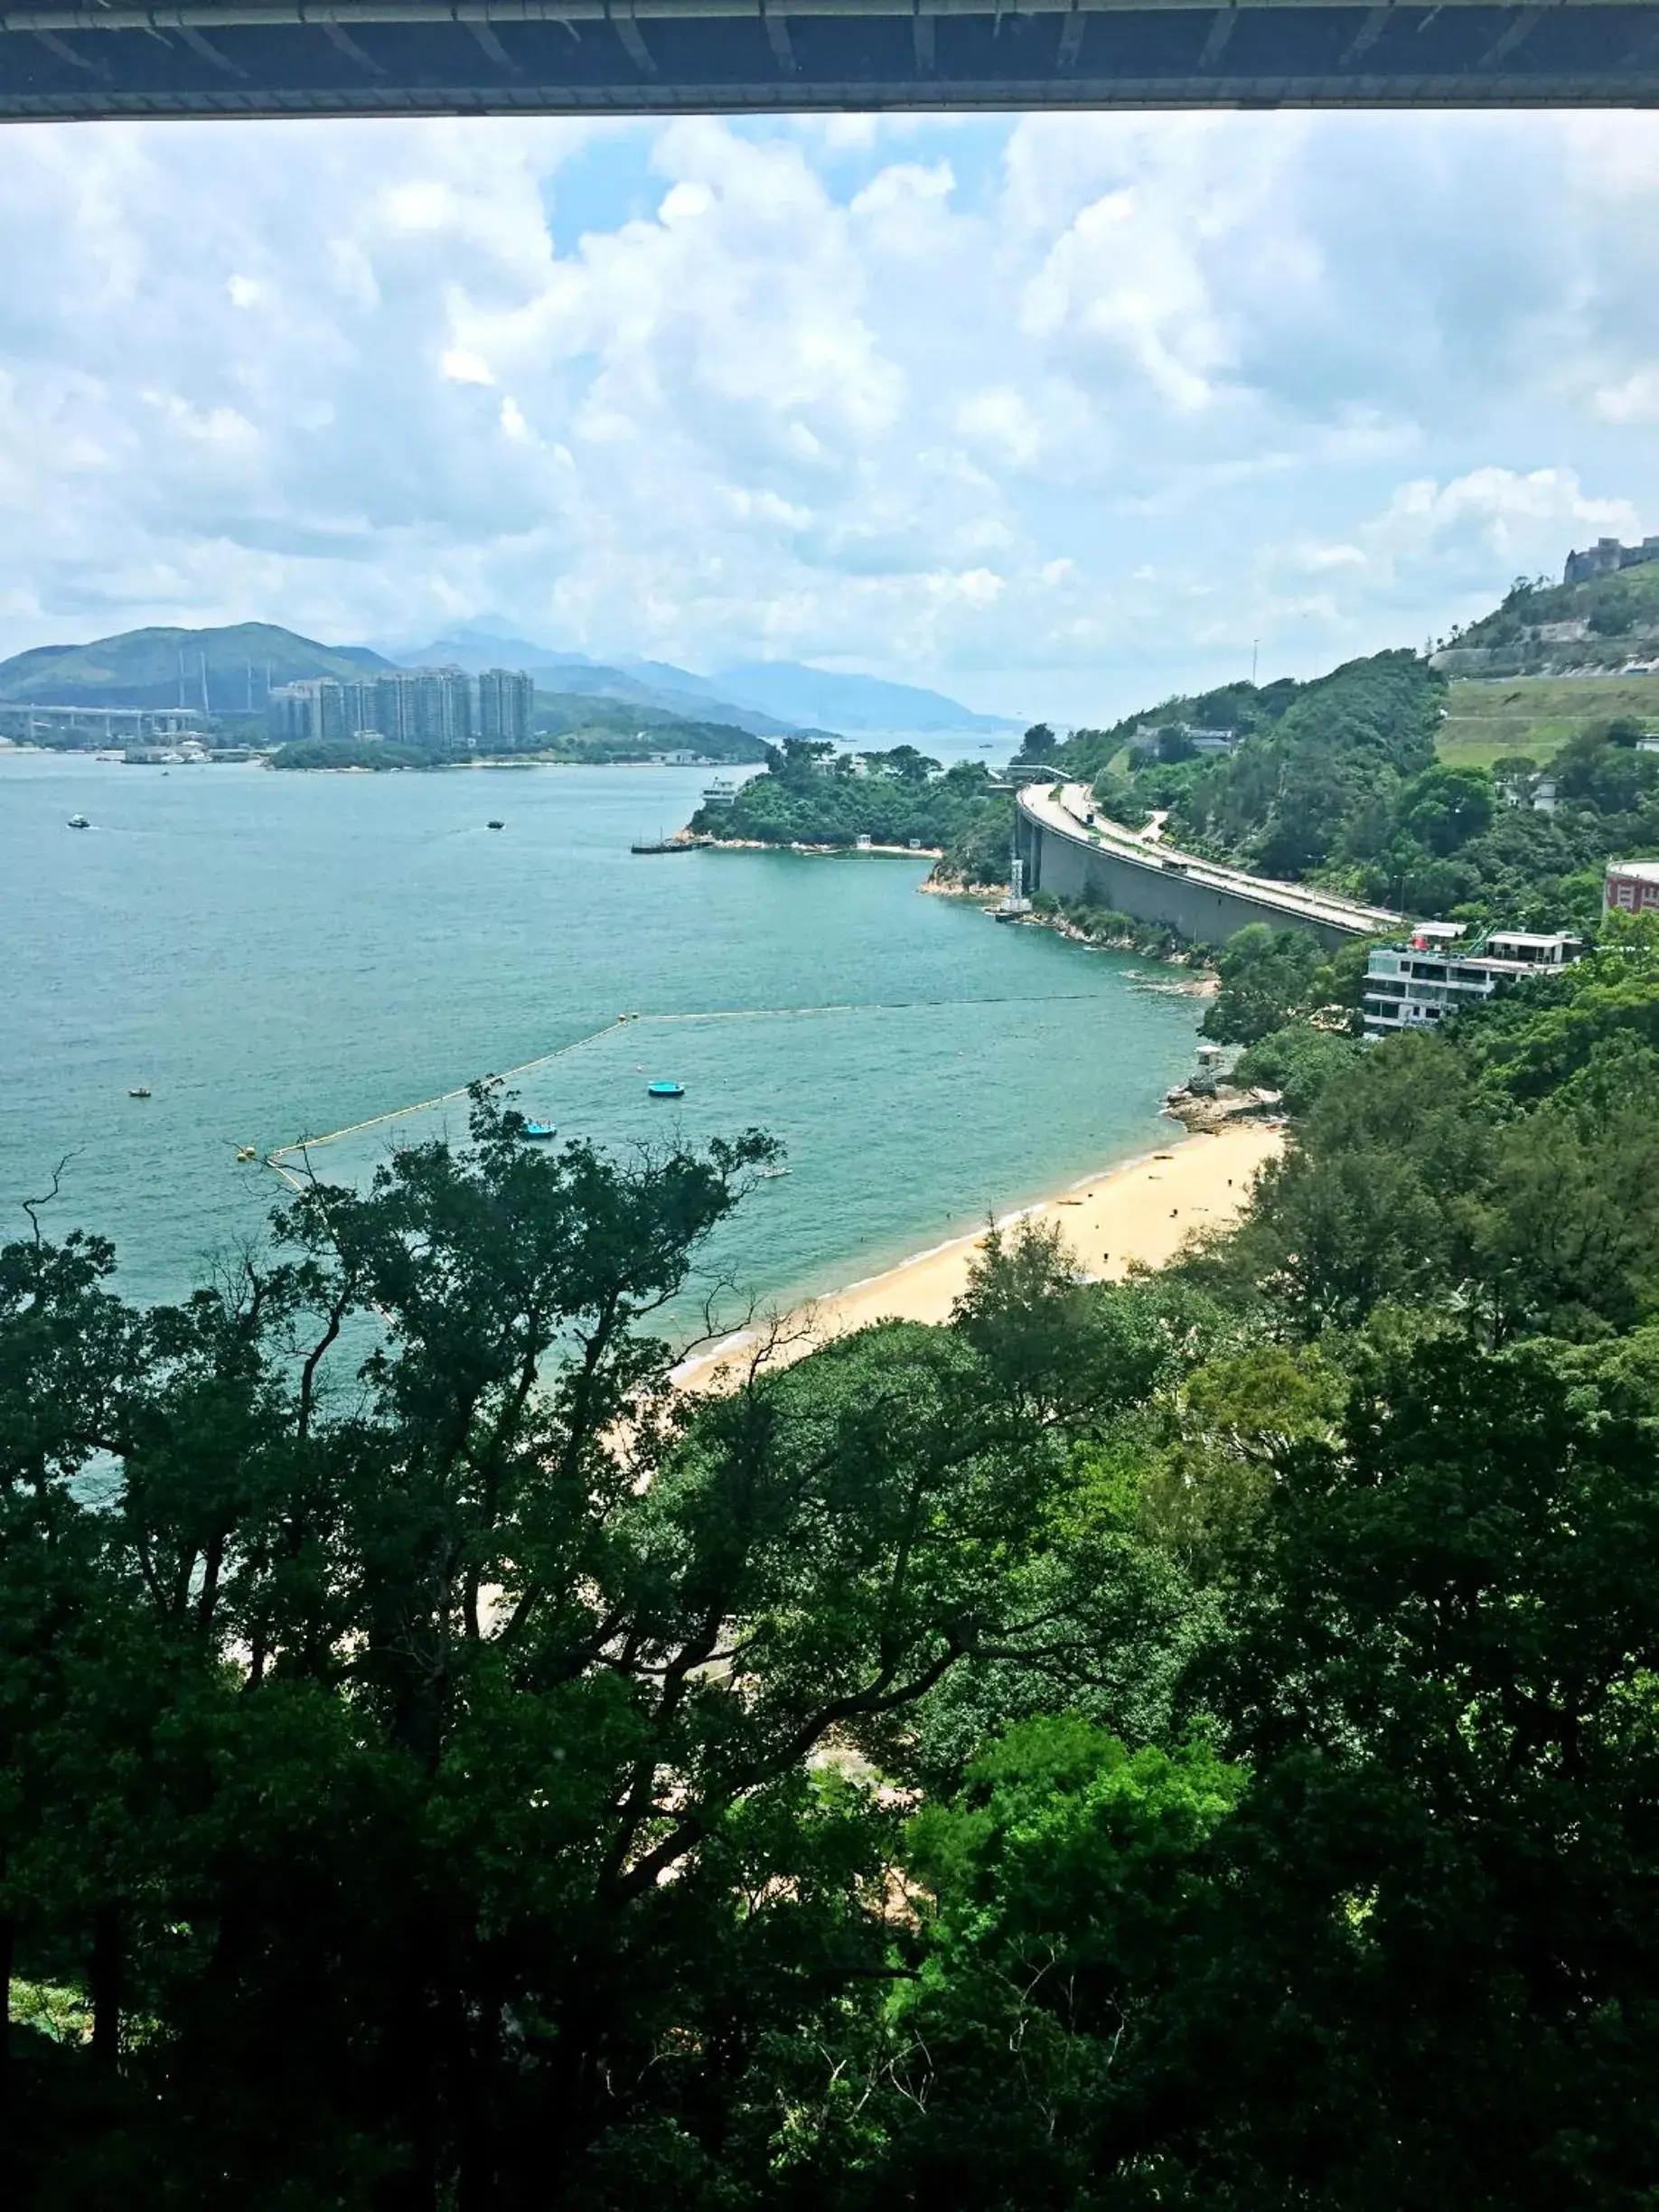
{"x": 431, "y": 709}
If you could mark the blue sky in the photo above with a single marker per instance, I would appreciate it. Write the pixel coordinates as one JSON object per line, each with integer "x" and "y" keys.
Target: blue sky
{"x": 1057, "y": 414}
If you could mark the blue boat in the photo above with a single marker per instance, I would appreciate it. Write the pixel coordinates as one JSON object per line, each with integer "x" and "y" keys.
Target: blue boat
{"x": 539, "y": 1131}
{"x": 665, "y": 1090}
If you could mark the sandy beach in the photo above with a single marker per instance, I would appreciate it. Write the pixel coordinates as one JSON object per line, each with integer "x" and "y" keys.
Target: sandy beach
{"x": 1139, "y": 1211}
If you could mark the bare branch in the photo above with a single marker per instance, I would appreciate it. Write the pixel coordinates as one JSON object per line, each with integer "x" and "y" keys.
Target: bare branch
{"x": 29, "y": 1204}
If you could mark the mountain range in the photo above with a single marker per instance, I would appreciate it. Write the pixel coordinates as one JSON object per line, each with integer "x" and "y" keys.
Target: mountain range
{"x": 767, "y": 698}
{"x": 228, "y": 670}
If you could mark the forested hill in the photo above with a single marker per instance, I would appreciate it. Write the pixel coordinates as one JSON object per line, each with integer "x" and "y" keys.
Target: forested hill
{"x": 164, "y": 668}
{"x": 1337, "y": 781}
{"x": 810, "y": 794}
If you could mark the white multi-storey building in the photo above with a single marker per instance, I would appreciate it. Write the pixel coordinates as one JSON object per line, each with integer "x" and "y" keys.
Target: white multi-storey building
{"x": 1414, "y": 985}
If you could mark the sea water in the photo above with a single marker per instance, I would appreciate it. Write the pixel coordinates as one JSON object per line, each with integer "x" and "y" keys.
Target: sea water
{"x": 280, "y": 956}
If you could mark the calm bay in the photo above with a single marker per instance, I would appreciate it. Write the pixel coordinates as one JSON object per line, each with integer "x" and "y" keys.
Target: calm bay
{"x": 281, "y": 956}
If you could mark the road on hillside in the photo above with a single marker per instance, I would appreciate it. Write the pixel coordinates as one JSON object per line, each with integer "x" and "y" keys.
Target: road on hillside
{"x": 1065, "y": 809}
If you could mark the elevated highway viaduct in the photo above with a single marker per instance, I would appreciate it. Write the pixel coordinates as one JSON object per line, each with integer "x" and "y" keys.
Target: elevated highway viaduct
{"x": 1065, "y": 853}
{"x": 61, "y": 59}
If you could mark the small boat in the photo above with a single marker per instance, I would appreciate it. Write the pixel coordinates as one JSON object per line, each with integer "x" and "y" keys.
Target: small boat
{"x": 248, "y": 1152}
{"x": 79, "y": 821}
{"x": 139, "y": 1091}
{"x": 538, "y": 1132}
{"x": 665, "y": 1090}
{"x": 496, "y": 825}
{"x": 770, "y": 1174}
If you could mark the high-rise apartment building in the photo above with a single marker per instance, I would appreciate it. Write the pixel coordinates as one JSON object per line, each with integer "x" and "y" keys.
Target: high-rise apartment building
{"x": 506, "y": 710}
{"x": 315, "y": 708}
{"x": 430, "y": 709}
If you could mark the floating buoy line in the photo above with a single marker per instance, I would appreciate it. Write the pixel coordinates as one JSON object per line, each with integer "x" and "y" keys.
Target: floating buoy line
{"x": 279, "y": 1159}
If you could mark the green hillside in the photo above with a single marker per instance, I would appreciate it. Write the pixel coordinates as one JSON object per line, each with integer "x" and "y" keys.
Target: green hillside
{"x": 1610, "y": 605}
{"x": 578, "y": 727}
{"x": 1541, "y": 629}
{"x": 1492, "y": 718}
{"x": 164, "y": 668}
{"x": 1376, "y": 781}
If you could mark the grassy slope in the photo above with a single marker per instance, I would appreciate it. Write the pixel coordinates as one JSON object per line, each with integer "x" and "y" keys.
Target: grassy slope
{"x": 1535, "y": 715}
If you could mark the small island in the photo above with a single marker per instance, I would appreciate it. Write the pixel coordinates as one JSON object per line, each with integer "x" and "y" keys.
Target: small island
{"x": 812, "y": 795}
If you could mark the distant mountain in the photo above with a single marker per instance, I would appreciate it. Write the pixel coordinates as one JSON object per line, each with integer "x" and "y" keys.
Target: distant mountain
{"x": 164, "y": 668}
{"x": 475, "y": 648}
{"x": 801, "y": 694}
{"x": 639, "y": 683}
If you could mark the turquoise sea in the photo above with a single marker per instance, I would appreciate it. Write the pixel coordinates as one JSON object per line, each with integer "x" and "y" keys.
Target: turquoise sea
{"x": 281, "y": 956}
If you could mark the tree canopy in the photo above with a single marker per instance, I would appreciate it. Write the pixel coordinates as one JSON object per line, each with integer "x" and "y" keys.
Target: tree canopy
{"x": 1183, "y": 1742}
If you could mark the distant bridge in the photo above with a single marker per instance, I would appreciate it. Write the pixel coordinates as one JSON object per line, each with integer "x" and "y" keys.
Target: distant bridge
{"x": 665, "y": 57}
{"x": 1066, "y": 853}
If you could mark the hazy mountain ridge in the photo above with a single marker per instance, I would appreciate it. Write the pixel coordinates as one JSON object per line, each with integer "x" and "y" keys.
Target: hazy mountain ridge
{"x": 771, "y": 698}
{"x": 665, "y": 690}
{"x": 164, "y": 667}
{"x": 792, "y": 689}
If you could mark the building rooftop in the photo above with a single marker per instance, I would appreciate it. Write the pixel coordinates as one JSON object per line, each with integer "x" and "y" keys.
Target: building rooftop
{"x": 1645, "y": 871}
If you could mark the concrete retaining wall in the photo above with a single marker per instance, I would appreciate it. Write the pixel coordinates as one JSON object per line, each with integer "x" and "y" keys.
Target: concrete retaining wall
{"x": 1070, "y": 868}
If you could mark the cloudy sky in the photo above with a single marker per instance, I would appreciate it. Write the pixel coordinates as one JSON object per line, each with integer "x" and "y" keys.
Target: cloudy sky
{"x": 1057, "y": 414}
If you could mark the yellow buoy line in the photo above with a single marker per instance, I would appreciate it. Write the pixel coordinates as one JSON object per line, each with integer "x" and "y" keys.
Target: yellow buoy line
{"x": 525, "y": 1067}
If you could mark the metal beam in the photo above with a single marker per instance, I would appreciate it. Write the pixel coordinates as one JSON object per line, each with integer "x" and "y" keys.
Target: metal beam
{"x": 1221, "y": 31}
{"x": 76, "y": 59}
{"x": 344, "y": 42}
{"x": 66, "y": 52}
{"x": 493, "y": 46}
{"x": 777, "y": 38}
{"x": 1527, "y": 20}
{"x": 1366, "y": 36}
{"x": 210, "y": 52}
{"x": 633, "y": 45}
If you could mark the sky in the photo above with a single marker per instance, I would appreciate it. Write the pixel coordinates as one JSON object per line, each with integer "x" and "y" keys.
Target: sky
{"x": 1061, "y": 415}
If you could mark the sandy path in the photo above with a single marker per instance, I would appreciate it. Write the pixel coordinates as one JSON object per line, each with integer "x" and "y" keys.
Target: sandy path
{"x": 1141, "y": 1211}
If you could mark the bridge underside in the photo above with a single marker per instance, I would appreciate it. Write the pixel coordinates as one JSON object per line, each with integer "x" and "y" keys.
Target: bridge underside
{"x": 656, "y": 57}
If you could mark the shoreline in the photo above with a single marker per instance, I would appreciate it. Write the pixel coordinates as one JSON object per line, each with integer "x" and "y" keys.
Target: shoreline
{"x": 1135, "y": 1211}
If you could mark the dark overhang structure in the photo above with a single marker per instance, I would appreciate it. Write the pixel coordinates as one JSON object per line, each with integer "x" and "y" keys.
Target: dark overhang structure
{"x": 662, "y": 57}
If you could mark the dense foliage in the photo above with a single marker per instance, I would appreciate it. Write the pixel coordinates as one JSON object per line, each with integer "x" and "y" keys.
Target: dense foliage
{"x": 377, "y": 756}
{"x": 810, "y": 794}
{"x": 1188, "y": 1743}
{"x": 1336, "y": 782}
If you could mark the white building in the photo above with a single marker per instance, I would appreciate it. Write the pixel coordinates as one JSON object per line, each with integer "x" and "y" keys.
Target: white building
{"x": 1417, "y": 984}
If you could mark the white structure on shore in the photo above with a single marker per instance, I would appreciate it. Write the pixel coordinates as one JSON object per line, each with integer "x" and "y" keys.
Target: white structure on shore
{"x": 1417, "y": 984}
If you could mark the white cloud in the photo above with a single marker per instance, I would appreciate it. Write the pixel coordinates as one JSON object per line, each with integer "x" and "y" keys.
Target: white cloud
{"x": 1634, "y": 401}
{"x": 461, "y": 366}
{"x": 1058, "y": 412}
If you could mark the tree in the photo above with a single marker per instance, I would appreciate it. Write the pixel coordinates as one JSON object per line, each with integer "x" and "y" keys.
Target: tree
{"x": 1297, "y": 1061}
{"x": 1267, "y": 975}
{"x": 1038, "y": 743}
{"x": 445, "y": 1780}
